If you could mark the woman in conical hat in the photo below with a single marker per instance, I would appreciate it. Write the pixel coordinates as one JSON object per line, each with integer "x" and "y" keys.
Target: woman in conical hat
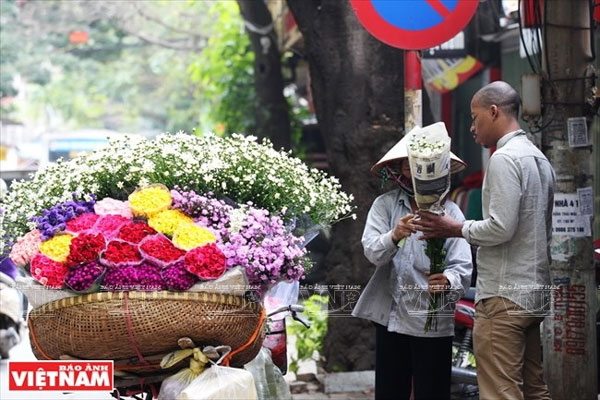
{"x": 387, "y": 167}
{"x": 396, "y": 299}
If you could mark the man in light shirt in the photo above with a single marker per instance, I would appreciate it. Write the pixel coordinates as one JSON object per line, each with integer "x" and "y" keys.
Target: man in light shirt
{"x": 513, "y": 276}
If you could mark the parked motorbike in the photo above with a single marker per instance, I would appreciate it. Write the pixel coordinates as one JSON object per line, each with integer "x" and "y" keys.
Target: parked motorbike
{"x": 276, "y": 336}
{"x": 464, "y": 376}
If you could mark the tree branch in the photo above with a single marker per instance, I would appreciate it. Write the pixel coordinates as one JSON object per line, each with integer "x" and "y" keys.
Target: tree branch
{"x": 164, "y": 24}
{"x": 163, "y": 43}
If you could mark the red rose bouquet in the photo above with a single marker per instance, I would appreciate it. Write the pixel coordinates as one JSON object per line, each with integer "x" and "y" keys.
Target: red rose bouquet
{"x": 85, "y": 248}
{"x": 160, "y": 251}
{"x": 119, "y": 253}
{"x": 206, "y": 262}
{"x": 135, "y": 231}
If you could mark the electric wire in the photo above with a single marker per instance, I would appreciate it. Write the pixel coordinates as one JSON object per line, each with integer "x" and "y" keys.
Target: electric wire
{"x": 520, "y": 22}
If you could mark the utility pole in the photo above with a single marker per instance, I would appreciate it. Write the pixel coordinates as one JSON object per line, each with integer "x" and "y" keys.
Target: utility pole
{"x": 413, "y": 93}
{"x": 569, "y": 334}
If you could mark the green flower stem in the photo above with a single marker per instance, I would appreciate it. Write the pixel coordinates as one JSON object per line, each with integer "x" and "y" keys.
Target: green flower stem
{"x": 437, "y": 256}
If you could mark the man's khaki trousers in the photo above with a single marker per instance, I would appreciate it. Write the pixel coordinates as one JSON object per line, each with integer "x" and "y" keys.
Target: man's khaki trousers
{"x": 508, "y": 351}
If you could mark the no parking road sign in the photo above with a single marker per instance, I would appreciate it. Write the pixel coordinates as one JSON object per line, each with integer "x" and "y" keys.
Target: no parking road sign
{"x": 414, "y": 24}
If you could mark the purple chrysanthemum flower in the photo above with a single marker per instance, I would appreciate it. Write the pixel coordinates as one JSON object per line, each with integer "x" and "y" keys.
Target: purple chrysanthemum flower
{"x": 265, "y": 249}
{"x": 55, "y": 218}
{"x": 204, "y": 209}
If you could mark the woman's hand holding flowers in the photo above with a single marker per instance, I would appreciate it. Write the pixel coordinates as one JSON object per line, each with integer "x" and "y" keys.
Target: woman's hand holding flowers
{"x": 404, "y": 228}
{"x": 438, "y": 283}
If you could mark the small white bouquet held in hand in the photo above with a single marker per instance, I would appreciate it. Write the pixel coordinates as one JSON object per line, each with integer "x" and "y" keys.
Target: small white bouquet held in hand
{"x": 429, "y": 158}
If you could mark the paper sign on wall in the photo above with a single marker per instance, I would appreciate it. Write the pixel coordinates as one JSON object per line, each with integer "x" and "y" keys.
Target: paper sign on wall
{"x": 577, "y": 129}
{"x": 566, "y": 216}
{"x": 586, "y": 200}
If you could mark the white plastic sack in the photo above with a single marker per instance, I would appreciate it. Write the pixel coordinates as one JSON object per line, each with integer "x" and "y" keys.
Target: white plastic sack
{"x": 37, "y": 294}
{"x": 175, "y": 384}
{"x": 429, "y": 158}
{"x": 219, "y": 382}
{"x": 269, "y": 381}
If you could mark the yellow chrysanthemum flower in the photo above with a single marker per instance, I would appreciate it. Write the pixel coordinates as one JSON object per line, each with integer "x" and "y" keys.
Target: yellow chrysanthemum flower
{"x": 188, "y": 236}
{"x": 57, "y": 248}
{"x": 150, "y": 201}
{"x": 167, "y": 221}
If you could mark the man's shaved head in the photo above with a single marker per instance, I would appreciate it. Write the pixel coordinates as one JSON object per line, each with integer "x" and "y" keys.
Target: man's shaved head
{"x": 502, "y": 95}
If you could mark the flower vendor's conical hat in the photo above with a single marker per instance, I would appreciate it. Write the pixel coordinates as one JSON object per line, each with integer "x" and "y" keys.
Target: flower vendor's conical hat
{"x": 11, "y": 302}
{"x": 400, "y": 151}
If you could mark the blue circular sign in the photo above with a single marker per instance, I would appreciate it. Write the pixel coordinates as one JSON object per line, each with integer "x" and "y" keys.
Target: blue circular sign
{"x": 414, "y": 24}
{"x": 423, "y": 15}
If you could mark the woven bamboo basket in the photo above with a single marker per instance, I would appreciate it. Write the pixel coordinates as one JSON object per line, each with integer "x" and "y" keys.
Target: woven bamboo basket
{"x": 137, "y": 328}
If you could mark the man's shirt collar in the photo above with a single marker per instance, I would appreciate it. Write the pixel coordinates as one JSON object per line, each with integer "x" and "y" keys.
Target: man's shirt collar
{"x": 504, "y": 139}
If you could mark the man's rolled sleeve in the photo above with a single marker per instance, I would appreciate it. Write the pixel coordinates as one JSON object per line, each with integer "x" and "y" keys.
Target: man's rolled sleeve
{"x": 459, "y": 263}
{"x": 504, "y": 184}
{"x": 466, "y": 230}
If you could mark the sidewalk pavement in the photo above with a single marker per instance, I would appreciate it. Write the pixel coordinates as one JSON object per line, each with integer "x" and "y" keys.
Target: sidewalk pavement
{"x": 338, "y": 385}
{"x": 312, "y": 383}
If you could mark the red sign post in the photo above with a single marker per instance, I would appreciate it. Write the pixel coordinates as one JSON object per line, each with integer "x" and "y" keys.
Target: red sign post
{"x": 413, "y": 25}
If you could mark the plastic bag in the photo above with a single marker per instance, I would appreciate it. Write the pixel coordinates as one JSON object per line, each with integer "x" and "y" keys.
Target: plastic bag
{"x": 175, "y": 384}
{"x": 429, "y": 158}
{"x": 282, "y": 294}
{"x": 234, "y": 282}
{"x": 219, "y": 382}
{"x": 109, "y": 225}
{"x": 303, "y": 225}
{"x": 268, "y": 379}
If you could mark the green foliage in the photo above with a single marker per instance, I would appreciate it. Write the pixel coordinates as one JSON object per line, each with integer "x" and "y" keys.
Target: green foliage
{"x": 119, "y": 79}
{"x": 338, "y": 368}
{"x": 470, "y": 362}
{"x": 115, "y": 80}
{"x": 9, "y": 48}
{"x": 224, "y": 71}
{"x": 298, "y": 114}
{"x": 310, "y": 340}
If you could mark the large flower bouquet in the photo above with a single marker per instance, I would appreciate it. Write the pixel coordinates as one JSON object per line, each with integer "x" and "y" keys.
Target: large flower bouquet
{"x": 167, "y": 213}
{"x": 429, "y": 158}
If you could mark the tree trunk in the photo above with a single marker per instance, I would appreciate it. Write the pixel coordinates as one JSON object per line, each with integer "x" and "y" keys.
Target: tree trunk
{"x": 570, "y": 346}
{"x": 272, "y": 114}
{"x": 358, "y": 90}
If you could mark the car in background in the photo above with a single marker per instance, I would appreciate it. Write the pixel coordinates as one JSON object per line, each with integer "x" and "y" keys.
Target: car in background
{"x": 49, "y": 147}
{"x": 69, "y": 145}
